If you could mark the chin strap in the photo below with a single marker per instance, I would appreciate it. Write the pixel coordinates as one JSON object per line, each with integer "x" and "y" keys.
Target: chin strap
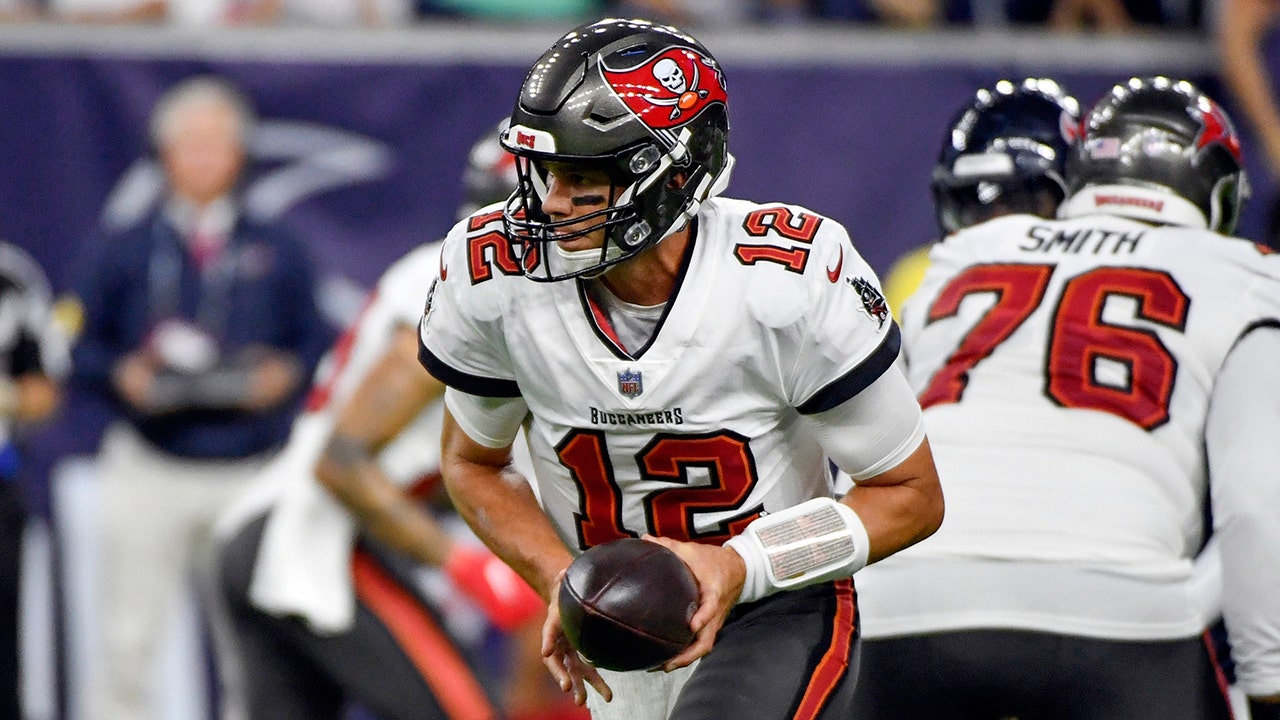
{"x": 817, "y": 540}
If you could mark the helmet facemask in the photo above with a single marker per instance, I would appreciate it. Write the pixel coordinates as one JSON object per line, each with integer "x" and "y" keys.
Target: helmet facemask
{"x": 963, "y": 205}
{"x": 1226, "y": 200}
{"x": 652, "y": 195}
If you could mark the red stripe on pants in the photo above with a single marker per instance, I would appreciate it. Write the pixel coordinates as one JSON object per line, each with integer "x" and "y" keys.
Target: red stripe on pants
{"x": 428, "y": 647}
{"x": 1219, "y": 673}
{"x": 833, "y": 666}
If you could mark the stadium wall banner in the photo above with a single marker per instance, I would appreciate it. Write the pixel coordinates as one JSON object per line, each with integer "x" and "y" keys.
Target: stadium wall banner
{"x": 363, "y": 158}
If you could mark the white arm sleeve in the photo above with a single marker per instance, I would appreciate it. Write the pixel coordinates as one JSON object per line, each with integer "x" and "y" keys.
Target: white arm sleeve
{"x": 874, "y": 430}
{"x": 1241, "y": 435}
{"x": 492, "y": 422}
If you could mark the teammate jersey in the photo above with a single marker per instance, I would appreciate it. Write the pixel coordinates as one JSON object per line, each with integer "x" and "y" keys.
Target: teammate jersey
{"x": 396, "y": 302}
{"x": 692, "y": 436}
{"x": 1065, "y": 368}
{"x": 304, "y": 559}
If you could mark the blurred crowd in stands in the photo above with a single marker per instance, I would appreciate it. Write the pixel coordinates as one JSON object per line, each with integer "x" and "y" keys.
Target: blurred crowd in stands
{"x": 1058, "y": 15}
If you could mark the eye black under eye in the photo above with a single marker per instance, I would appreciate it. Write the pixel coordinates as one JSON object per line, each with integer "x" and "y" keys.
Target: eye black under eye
{"x": 586, "y": 200}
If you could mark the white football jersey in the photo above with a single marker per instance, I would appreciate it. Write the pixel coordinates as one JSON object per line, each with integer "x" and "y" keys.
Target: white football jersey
{"x": 303, "y": 564}
{"x": 692, "y": 436}
{"x": 1065, "y": 368}
{"x": 395, "y": 302}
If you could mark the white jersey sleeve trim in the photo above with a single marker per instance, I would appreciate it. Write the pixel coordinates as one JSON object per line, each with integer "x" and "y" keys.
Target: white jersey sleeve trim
{"x": 875, "y": 430}
{"x": 492, "y": 422}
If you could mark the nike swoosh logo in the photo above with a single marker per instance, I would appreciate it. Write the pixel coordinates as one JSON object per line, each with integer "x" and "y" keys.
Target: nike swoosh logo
{"x": 834, "y": 274}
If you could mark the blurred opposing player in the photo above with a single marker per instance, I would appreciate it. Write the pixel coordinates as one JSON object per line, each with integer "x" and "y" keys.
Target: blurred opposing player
{"x": 34, "y": 362}
{"x": 1004, "y": 152}
{"x": 320, "y": 563}
{"x": 682, "y": 364}
{"x": 1067, "y": 369}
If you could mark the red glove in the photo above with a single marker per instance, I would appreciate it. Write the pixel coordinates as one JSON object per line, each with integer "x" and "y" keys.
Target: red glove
{"x": 504, "y": 597}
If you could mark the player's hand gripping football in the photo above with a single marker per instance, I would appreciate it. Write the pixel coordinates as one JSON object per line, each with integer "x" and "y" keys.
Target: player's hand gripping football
{"x": 720, "y": 572}
{"x": 570, "y": 671}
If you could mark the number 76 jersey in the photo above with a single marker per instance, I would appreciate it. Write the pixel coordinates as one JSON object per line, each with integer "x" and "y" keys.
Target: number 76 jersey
{"x": 1065, "y": 368}
{"x": 693, "y": 435}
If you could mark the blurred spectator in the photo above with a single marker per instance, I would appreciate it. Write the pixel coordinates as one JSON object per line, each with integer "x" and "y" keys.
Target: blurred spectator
{"x": 516, "y": 10}
{"x": 703, "y": 12}
{"x": 897, "y": 13}
{"x": 182, "y": 12}
{"x": 1059, "y": 15}
{"x": 1248, "y": 71}
{"x": 201, "y": 324}
{"x": 33, "y": 361}
{"x": 108, "y": 11}
{"x": 1098, "y": 15}
{"x": 331, "y": 13}
{"x": 1107, "y": 15}
{"x": 18, "y": 10}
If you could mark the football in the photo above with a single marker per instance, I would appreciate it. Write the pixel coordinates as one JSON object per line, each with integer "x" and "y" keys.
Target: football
{"x": 626, "y": 604}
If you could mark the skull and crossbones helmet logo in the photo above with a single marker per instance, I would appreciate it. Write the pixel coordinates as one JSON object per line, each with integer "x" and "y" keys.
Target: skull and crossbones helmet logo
{"x": 671, "y": 76}
{"x": 681, "y": 79}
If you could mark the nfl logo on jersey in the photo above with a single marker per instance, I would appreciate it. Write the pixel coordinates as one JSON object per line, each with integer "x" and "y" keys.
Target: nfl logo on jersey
{"x": 629, "y": 384}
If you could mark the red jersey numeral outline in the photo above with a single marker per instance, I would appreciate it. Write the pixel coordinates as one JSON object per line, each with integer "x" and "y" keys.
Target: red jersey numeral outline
{"x": 321, "y": 392}
{"x": 800, "y": 228}
{"x": 1078, "y": 336}
{"x": 667, "y": 458}
{"x": 1018, "y": 290}
{"x": 490, "y": 251}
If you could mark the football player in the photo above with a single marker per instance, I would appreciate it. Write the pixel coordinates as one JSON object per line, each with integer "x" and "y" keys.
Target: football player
{"x": 321, "y": 561}
{"x": 34, "y": 362}
{"x": 683, "y": 364}
{"x": 1004, "y": 152}
{"x": 1086, "y": 382}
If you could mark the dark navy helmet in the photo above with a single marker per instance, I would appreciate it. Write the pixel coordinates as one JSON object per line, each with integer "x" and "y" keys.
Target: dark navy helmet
{"x": 1005, "y": 152}
{"x": 1160, "y": 150}
{"x": 644, "y": 103}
